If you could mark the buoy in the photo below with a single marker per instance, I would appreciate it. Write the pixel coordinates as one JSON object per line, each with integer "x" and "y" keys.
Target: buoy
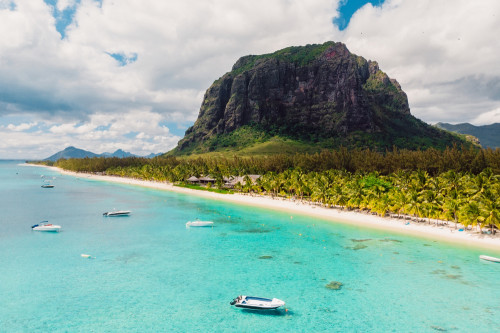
{"x": 286, "y": 310}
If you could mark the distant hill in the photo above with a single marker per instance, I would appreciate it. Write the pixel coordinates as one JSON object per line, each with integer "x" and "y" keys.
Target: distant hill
{"x": 306, "y": 99}
{"x": 488, "y": 135}
{"x": 153, "y": 155}
{"x": 72, "y": 152}
{"x": 119, "y": 153}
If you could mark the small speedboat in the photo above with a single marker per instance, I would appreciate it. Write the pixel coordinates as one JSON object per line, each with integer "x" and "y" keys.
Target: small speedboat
{"x": 257, "y": 303}
{"x": 87, "y": 256}
{"x": 199, "y": 224}
{"x": 117, "y": 213}
{"x": 46, "y": 226}
{"x": 489, "y": 258}
{"x": 48, "y": 186}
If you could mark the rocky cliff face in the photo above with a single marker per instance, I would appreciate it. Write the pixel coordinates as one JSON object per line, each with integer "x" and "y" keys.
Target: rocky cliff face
{"x": 312, "y": 93}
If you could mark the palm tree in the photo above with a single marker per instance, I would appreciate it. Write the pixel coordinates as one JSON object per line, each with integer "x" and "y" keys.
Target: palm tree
{"x": 452, "y": 181}
{"x": 320, "y": 189}
{"x": 401, "y": 179}
{"x": 237, "y": 187}
{"x": 470, "y": 214}
{"x": 270, "y": 183}
{"x": 490, "y": 210}
{"x": 302, "y": 187}
{"x": 381, "y": 205}
{"x": 355, "y": 193}
{"x": 419, "y": 180}
{"x": 451, "y": 207}
{"x": 248, "y": 184}
{"x": 414, "y": 205}
{"x": 432, "y": 204}
{"x": 337, "y": 195}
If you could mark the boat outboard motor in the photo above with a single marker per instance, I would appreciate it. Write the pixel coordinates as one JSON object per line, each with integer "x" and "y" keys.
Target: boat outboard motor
{"x": 233, "y": 302}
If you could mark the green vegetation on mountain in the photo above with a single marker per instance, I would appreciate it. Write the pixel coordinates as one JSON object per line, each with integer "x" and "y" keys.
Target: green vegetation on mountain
{"x": 312, "y": 97}
{"x": 488, "y": 135}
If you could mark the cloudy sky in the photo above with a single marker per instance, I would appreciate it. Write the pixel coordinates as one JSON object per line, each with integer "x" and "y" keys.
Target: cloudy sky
{"x": 108, "y": 74}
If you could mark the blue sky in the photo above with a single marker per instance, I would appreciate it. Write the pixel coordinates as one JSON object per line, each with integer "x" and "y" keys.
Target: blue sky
{"x": 348, "y": 7}
{"x": 104, "y": 75}
{"x": 63, "y": 17}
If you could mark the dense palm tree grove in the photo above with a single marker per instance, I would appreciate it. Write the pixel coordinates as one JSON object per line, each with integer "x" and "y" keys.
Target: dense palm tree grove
{"x": 456, "y": 185}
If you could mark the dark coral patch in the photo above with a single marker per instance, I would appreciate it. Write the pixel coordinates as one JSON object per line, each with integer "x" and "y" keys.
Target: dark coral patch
{"x": 334, "y": 285}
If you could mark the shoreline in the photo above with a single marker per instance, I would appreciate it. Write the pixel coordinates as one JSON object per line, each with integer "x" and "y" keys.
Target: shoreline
{"x": 443, "y": 233}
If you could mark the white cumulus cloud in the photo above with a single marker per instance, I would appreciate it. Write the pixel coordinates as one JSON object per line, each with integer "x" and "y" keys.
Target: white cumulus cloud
{"x": 142, "y": 66}
{"x": 21, "y": 127}
{"x": 487, "y": 118}
{"x": 444, "y": 54}
{"x": 118, "y": 57}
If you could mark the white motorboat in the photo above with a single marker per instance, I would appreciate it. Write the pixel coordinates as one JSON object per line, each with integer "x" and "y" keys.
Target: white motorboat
{"x": 87, "y": 256}
{"x": 47, "y": 183}
{"x": 117, "y": 213}
{"x": 484, "y": 257}
{"x": 199, "y": 224}
{"x": 257, "y": 303}
{"x": 46, "y": 226}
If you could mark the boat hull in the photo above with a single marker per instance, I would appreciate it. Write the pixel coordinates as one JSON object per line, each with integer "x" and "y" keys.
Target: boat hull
{"x": 199, "y": 224}
{"x": 488, "y": 258}
{"x": 257, "y": 303}
{"x": 51, "y": 228}
{"x": 118, "y": 213}
{"x": 256, "y": 307}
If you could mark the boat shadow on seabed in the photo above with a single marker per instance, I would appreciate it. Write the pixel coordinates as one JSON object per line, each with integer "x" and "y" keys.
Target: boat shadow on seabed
{"x": 276, "y": 312}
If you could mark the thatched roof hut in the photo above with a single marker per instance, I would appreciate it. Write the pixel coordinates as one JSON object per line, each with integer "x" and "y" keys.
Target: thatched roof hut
{"x": 193, "y": 179}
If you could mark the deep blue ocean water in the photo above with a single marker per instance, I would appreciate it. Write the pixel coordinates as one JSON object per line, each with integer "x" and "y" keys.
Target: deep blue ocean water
{"x": 151, "y": 274}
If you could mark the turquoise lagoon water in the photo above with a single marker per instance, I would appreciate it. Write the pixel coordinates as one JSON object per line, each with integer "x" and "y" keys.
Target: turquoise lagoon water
{"x": 151, "y": 274}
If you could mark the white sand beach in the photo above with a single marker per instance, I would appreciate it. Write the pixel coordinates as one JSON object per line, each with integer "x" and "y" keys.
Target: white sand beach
{"x": 445, "y": 233}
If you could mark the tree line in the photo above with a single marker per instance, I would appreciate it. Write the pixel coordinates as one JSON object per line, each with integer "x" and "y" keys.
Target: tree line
{"x": 457, "y": 185}
{"x": 433, "y": 161}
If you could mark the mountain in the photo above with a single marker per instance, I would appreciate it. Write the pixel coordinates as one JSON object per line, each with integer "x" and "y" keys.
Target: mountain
{"x": 488, "y": 135}
{"x": 306, "y": 99}
{"x": 153, "y": 155}
{"x": 71, "y": 152}
{"x": 118, "y": 153}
